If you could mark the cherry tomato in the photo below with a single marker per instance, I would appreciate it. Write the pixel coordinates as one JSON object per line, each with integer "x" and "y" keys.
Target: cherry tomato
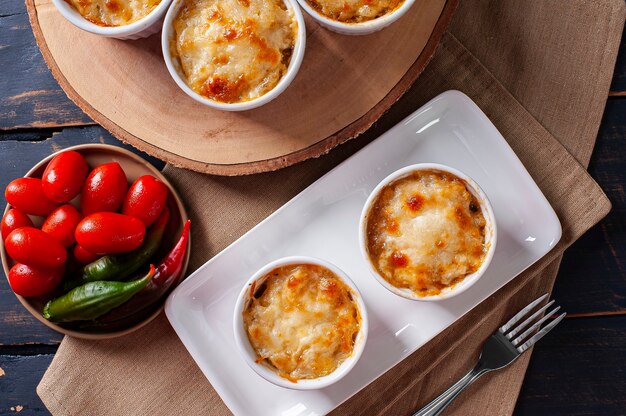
{"x": 104, "y": 189}
{"x": 30, "y": 281}
{"x": 62, "y": 223}
{"x": 145, "y": 199}
{"x": 108, "y": 233}
{"x": 83, "y": 256}
{"x": 64, "y": 176}
{"x": 26, "y": 194}
{"x": 34, "y": 247}
{"x": 14, "y": 219}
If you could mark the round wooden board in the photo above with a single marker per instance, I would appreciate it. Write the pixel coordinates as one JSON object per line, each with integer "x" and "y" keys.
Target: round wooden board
{"x": 344, "y": 85}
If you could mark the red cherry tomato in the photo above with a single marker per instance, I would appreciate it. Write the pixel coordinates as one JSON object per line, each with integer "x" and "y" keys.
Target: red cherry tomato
{"x": 26, "y": 194}
{"x": 30, "y": 281}
{"x": 145, "y": 199}
{"x": 34, "y": 247}
{"x": 64, "y": 176}
{"x": 14, "y": 219}
{"x": 104, "y": 189}
{"x": 83, "y": 256}
{"x": 108, "y": 233}
{"x": 62, "y": 223}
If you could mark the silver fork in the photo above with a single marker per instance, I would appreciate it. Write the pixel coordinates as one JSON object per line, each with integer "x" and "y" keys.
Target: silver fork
{"x": 500, "y": 350}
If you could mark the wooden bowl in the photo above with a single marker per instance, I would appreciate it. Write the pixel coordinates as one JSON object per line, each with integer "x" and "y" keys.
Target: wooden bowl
{"x": 134, "y": 167}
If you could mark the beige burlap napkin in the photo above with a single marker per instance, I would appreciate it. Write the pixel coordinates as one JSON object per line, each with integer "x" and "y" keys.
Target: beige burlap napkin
{"x": 543, "y": 73}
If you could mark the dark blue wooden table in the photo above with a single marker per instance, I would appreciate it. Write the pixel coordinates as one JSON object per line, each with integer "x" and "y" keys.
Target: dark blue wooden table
{"x": 579, "y": 369}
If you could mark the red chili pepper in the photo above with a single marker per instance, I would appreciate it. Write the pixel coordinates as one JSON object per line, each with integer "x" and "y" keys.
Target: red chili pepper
{"x": 168, "y": 274}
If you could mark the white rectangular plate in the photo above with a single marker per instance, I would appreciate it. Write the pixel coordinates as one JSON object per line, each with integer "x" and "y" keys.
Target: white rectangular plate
{"x": 322, "y": 221}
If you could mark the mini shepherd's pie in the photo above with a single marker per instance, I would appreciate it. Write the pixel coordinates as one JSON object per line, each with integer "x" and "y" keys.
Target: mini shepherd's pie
{"x": 302, "y": 321}
{"x": 426, "y": 232}
{"x": 113, "y": 12}
{"x": 354, "y": 11}
{"x": 233, "y": 51}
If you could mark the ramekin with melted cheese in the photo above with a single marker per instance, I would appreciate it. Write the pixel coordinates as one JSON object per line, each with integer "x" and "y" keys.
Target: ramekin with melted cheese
{"x": 120, "y": 19}
{"x": 113, "y": 12}
{"x": 233, "y": 51}
{"x": 427, "y": 230}
{"x": 356, "y": 17}
{"x": 354, "y": 11}
{"x": 302, "y": 323}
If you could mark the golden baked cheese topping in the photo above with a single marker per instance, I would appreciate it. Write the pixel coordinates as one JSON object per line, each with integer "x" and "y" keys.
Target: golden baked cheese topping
{"x": 234, "y": 50}
{"x": 113, "y": 12}
{"x": 354, "y": 11}
{"x": 426, "y": 232}
{"x": 302, "y": 321}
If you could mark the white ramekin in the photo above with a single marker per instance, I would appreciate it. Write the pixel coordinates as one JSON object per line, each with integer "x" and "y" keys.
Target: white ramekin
{"x": 173, "y": 66}
{"x": 364, "y": 28}
{"x": 243, "y": 343}
{"x": 142, "y": 28}
{"x": 490, "y": 234}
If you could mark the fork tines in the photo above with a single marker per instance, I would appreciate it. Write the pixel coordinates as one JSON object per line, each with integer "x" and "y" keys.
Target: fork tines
{"x": 531, "y": 333}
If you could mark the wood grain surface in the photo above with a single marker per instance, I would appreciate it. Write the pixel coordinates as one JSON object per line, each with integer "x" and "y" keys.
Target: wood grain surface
{"x": 32, "y": 98}
{"x": 577, "y": 370}
{"x": 328, "y": 103}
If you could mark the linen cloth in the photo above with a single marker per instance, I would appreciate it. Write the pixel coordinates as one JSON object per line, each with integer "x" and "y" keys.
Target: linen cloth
{"x": 540, "y": 70}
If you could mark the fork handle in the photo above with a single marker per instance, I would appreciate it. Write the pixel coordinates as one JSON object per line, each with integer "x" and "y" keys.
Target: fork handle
{"x": 437, "y": 406}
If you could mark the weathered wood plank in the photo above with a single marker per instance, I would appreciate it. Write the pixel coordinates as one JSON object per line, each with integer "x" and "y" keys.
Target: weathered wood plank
{"x": 9, "y": 7}
{"x": 29, "y": 95}
{"x": 592, "y": 278}
{"x": 17, "y": 326}
{"x": 31, "y": 135}
{"x": 578, "y": 369}
{"x": 18, "y": 384}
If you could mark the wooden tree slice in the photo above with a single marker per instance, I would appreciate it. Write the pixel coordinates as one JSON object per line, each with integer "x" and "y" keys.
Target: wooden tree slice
{"x": 345, "y": 83}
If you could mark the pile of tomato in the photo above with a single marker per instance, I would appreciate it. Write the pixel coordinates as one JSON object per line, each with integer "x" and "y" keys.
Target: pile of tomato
{"x": 86, "y": 214}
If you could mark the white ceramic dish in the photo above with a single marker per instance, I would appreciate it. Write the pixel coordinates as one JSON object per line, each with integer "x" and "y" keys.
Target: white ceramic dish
{"x": 173, "y": 66}
{"x": 250, "y": 355}
{"x": 364, "y": 28}
{"x": 323, "y": 222}
{"x": 142, "y": 28}
{"x": 491, "y": 234}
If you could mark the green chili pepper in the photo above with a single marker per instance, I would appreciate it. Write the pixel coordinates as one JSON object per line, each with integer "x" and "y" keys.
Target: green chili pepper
{"x": 93, "y": 299}
{"x": 168, "y": 273}
{"x": 119, "y": 266}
